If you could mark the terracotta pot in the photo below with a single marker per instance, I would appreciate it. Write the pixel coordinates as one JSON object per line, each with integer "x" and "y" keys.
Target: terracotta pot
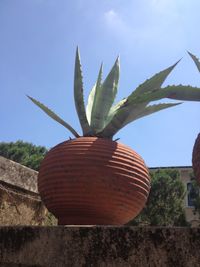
{"x": 196, "y": 159}
{"x": 93, "y": 181}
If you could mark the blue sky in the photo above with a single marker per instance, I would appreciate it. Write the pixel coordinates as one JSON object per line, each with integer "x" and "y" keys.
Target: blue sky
{"x": 37, "y": 49}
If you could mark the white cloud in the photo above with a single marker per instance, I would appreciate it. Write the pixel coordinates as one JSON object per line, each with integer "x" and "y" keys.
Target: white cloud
{"x": 114, "y": 21}
{"x": 111, "y": 16}
{"x": 157, "y": 22}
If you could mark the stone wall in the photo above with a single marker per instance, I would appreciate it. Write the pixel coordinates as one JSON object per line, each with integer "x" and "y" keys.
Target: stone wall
{"x": 20, "y": 208}
{"x": 17, "y": 175}
{"x": 20, "y": 203}
{"x": 99, "y": 246}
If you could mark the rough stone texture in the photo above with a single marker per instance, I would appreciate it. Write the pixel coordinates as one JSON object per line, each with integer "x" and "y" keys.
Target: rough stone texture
{"x": 20, "y": 203}
{"x": 18, "y": 175}
{"x": 20, "y": 208}
{"x": 99, "y": 246}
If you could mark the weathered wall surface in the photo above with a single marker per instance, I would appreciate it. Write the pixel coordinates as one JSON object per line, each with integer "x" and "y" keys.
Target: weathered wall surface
{"x": 20, "y": 203}
{"x": 99, "y": 246}
{"x": 18, "y": 175}
{"x": 20, "y": 208}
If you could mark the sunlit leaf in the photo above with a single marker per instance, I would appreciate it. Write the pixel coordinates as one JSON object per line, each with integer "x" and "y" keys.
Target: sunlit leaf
{"x": 93, "y": 96}
{"x": 139, "y": 113}
{"x": 104, "y": 98}
{"x": 51, "y": 114}
{"x": 154, "y": 83}
{"x": 78, "y": 96}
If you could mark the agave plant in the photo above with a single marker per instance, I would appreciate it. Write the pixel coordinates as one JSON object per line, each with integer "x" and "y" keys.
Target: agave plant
{"x": 196, "y": 148}
{"x": 92, "y": 179}
{"x": 103, "y": 119}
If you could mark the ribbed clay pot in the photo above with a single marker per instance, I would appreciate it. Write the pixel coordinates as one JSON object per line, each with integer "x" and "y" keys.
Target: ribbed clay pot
{"x": 196, "y": 158}
{"x": 93, "y": 181}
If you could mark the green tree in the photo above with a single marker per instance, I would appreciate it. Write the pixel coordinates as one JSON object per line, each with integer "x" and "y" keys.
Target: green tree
{"x": 165, "y": 203}
{"x": 24, "y": 153}
{"x": 195, "y": 194}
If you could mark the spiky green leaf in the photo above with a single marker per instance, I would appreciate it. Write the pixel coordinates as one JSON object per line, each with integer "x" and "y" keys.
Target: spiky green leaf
{"x": 176, "y": 92}
{"x": 179, "y": 92}
{"x": 51, "y": 114}
{"x": 92, "y": 99}
{"x": 196, "y": 60}
{"x": 119, "y": 118}
{"x": 78, "y": 96}
{"x": 154, "y": 83}
{"x": 182, "y": 92}
{"x": 119, "y": 115}
{"x": 104, "y": 98}
{"x": 114, "y": 110}
{"x": 138, "y": 113}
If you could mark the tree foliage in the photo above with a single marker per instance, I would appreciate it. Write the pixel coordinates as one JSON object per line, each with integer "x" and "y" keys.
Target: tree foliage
{"x": 24, "y": 153}
{"x": 165, "y": 203}
{"x": 195, "y": 191}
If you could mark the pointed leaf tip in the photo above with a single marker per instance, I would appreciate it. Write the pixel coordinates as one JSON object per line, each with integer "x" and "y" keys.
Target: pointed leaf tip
{"x": 117, "y": 62}
{"x": 78, "y": 95}
{"x": 196, "y": 60}
{"x": 77, "y": 49}
{"x": 101, "y": 67}
{"x": 77, "y": 54}
{"x": 175, "y": 64}
{"x": 153, "y": 84}
{"x": 54, "y": 116}
{"x": 190, "y": 53}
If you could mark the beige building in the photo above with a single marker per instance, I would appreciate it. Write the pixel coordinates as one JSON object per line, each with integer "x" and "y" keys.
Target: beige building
{"x": 185, "y": 175}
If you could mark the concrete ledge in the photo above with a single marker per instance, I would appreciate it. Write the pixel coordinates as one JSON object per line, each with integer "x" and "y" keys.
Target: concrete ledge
{"x": 99, "y": 246}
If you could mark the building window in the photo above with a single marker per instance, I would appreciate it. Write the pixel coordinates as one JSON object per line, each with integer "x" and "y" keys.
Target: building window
{"x": 192, "y": 194}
